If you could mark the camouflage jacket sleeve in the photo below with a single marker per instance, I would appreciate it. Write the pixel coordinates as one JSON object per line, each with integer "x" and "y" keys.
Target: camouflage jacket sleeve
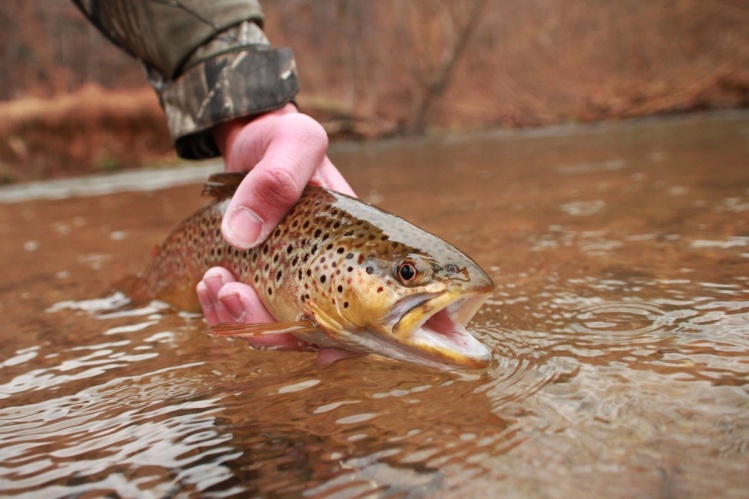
{"x": 208, "y": 60}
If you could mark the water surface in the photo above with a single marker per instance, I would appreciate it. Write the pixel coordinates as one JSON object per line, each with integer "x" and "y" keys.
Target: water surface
{"x": 620, "y": 332}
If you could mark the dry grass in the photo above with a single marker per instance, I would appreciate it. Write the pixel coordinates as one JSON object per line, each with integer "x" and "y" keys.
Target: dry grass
{"x": 89, "y": 130}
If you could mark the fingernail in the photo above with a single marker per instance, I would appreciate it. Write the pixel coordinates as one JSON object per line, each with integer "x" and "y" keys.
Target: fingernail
{"x": 233, "y": 304}
{"x": 243, "y": 228}
{"x": 213, "y": 283}
{"x": 204, "y": 297}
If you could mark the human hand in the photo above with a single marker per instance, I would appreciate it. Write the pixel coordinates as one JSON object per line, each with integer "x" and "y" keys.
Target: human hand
{"x": 283, "y": 151}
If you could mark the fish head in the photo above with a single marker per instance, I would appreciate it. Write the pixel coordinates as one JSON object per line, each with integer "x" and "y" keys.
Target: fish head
{"x": 407, "y": 303}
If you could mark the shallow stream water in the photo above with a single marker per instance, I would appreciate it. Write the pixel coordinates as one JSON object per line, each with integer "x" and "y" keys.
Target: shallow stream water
{"x": 620, "y": 332}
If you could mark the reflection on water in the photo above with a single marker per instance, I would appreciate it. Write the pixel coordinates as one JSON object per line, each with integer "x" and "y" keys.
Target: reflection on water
{"x": 619, "y": 329}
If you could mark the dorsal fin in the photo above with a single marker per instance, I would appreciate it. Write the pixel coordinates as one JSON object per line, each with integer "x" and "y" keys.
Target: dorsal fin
{"x": 223, "y": 185}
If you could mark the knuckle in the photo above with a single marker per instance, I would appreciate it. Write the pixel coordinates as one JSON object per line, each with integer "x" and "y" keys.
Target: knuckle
{"x": 276, "y": 185}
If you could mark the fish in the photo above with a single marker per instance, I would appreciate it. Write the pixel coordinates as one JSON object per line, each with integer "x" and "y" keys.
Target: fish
{"x": 336, "y": 272}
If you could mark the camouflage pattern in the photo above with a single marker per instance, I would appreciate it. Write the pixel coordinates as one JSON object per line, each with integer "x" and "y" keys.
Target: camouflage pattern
{"x": 208, "y": 60}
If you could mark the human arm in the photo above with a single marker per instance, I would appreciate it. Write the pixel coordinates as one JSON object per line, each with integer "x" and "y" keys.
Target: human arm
{"x": 208, "y": 61}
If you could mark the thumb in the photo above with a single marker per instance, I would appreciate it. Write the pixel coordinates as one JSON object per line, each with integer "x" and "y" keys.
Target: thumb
{"x": 291, "y": 147}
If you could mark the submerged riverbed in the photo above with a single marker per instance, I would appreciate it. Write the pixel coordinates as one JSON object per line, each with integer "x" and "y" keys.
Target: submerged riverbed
{"x": 620, "y": 332}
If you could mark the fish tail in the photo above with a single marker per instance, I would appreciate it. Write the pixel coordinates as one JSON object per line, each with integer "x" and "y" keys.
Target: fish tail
{"x": 136, "y": 288}
{"x": 142, "y": 291}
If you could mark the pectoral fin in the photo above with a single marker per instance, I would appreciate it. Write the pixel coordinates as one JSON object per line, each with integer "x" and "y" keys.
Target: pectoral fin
{"x": 297, "y": 328}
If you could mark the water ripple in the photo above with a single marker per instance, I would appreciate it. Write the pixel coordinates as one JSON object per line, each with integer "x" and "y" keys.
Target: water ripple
{"x": 86, "y": 437}
{"x": 610, "y": 321}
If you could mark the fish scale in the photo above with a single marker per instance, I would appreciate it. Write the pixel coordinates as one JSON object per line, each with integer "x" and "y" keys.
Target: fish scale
{"x": 332, "y": 270}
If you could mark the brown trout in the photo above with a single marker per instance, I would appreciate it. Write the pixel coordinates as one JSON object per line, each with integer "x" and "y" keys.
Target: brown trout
{"x": 336, "y": 272}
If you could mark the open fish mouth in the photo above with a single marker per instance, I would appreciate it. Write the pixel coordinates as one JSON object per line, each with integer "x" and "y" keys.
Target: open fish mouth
{"x": 433, "y": 330}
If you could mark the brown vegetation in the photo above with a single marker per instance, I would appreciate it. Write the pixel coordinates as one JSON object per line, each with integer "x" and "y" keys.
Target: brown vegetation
{"x": 392, "y": 66}
{"x": 87, "y": 130}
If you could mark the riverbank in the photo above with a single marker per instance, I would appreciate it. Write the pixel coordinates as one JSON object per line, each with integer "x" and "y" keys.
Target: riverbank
{"x": 166, "y": 174}
{"x": 95, "y": 130}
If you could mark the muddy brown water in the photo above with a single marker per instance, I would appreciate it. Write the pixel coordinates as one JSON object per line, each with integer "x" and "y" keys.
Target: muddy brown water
{"x": 620, "y": 332}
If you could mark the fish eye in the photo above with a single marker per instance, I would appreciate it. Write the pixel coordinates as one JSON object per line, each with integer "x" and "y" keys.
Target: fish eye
{"x": 412, "y": 270}
{"x": 407, "y": 272}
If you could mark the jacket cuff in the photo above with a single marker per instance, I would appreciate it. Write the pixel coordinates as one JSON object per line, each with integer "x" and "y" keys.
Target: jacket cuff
{"x": 230, "y": 85}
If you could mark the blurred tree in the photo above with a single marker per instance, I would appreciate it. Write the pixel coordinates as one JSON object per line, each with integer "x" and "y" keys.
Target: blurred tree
{"x": 442, "y": 62}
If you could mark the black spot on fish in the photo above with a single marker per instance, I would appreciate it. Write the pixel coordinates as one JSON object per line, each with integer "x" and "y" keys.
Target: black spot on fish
{"x": 279, "y": 274}
{"x": 318, "y": 232}
{"x": 370, "y": 270}
{"x": 322, "y": 279}
{"x": 340, "y": 288}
